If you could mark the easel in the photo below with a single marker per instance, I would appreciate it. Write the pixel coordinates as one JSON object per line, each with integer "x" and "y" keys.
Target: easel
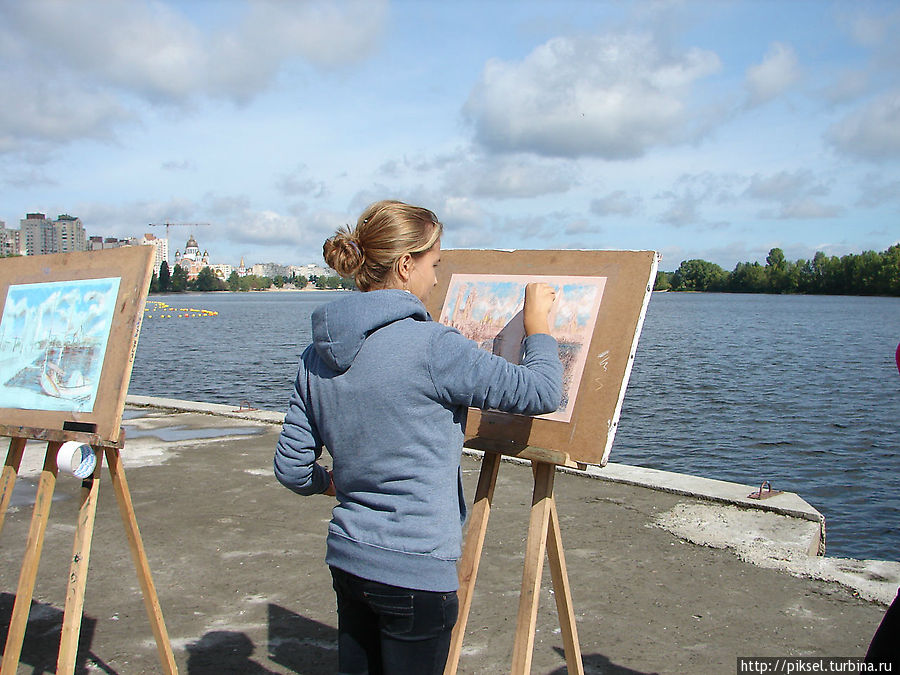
{"x": 543, "y": 535}
{"x": 77, "y": 580}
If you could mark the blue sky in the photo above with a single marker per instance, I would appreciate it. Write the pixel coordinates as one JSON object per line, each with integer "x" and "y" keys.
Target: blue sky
{"x": 711, "y": 129}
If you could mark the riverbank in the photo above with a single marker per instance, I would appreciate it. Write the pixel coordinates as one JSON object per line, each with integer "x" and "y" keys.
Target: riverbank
{"x": 238, "y": 563}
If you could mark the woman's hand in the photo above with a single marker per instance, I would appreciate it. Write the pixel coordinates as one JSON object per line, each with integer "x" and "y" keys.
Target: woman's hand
{"x": 539, "y": 299}
{"x": 330, "y": 491}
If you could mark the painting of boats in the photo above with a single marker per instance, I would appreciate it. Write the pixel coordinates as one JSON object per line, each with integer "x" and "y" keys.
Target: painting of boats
{"x": 53, "y": 340}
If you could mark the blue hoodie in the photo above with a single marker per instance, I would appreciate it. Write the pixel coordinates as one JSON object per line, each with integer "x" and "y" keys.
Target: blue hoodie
{"x": 386, "y": 390}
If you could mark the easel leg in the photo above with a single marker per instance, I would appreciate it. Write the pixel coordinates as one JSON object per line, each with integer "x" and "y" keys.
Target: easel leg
{"x": 541, "y": 506}
{"x": 81, "y": 553}
{"x": 563, "y": 593}
{"x": 471, "y": 555}
{"x": 10, "y": 471}
{"x": 27, "y": 576}
{"x": 151, "y": 600}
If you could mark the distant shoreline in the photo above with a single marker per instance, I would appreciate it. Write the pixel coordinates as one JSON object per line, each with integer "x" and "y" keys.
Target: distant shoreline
{"x": 274, "y": 289}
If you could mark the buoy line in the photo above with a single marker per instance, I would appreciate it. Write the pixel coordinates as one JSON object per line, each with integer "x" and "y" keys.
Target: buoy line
{"x": 156, "y": 309}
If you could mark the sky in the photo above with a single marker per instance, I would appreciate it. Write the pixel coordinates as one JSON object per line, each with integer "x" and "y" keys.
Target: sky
{"x": 696, "y": 128}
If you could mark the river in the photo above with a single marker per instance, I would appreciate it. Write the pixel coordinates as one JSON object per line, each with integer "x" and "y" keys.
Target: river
{"x": 802, "y": 391}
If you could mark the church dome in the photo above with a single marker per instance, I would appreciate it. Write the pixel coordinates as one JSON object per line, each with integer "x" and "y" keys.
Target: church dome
{"x": 191, "y": 243}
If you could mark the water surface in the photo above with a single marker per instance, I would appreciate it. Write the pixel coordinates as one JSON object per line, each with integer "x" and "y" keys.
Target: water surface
{"x": 802, "y": 391}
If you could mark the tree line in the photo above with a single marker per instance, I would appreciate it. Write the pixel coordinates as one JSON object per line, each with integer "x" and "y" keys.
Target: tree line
{"x": 867, "y": 273}
{"x": 176, "y": 281}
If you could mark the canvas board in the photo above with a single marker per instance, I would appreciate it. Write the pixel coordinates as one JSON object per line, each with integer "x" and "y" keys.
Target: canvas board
{"x": 601, "y": 301}
{"x": 69, "y": 325}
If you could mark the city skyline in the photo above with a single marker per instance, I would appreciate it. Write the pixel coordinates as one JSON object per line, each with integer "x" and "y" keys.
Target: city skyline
{"x": 97, "y": 242}
{"x": 697, "y": 128}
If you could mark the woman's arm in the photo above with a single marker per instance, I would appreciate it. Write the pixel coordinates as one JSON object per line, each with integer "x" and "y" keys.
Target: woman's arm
{"x": 299, "y": 446}
{"x": 463, "y": 374}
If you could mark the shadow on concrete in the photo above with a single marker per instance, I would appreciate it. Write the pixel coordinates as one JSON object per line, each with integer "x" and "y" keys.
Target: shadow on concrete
{"x": 597, "y": 664}
{"x": 40, "y": 648}
{"x": 301, "y": 644}
{"x": 223, "y": 652}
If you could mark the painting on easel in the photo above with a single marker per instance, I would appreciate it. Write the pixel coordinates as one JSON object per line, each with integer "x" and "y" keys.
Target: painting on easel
{"x": 487, "y": 308}
{"x": 69, "y": 325}
{"x": 601, "y": 301}
{"x": 53, "y": 339}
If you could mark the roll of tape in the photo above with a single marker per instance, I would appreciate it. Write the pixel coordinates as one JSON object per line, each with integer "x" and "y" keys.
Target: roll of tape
{"x": 76, "y": 458}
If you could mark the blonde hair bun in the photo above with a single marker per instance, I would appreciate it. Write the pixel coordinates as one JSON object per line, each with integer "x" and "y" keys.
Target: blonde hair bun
{"x": 343, "y": 253}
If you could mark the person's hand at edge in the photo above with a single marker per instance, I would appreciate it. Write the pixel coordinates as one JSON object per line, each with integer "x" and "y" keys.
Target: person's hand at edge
{"x": 539, "y": 299}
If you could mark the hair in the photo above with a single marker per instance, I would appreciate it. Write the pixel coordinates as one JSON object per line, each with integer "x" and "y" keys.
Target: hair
{"x": 384, "y": 233}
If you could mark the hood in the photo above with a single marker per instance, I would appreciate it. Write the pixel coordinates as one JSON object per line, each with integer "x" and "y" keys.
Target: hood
{"x": 339, "y": 328}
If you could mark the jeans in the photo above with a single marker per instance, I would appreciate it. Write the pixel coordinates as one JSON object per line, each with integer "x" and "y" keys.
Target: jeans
{"x": 390, "y": 630}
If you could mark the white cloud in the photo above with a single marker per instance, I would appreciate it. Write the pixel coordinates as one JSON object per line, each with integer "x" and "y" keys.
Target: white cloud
{"x": 804, "y": 208}
{"x": 875, "y": 191}
{"x": 683, "y": 209}
{"x": 795, "y": 193}
{"x": 299, "y": 183}
{"x": 39, "y": 108}
{"x": 869, "y": 30}
{"x": 612, "y": 96}
{"x": 178, "y": 165}
{"x": 784, "y": 185}
{"x": 691, "y": 192}
{"x": 508, "y": 177}
{"x": 871, "y": 132}
{"x": 774, "y": 76}
{"x": 79, "y": 69}
{"x": 848, "y": 85}
{"x": 616, "y": 203}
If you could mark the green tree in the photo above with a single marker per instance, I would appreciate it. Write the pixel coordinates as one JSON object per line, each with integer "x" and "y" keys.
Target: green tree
{"x": 699, "y": 275}
{"x": 748, "y": 278}
{"x": 663, "y": 281}
{"x": 208, "y": 281}
{"x": 888, "y": 281}
{"x": 234, "y": 281}
{"x": 776, "y": 271}
{"x": 179, "y": 280}
{"x": 165, "y": 279}
{"x": 154, "y": 283}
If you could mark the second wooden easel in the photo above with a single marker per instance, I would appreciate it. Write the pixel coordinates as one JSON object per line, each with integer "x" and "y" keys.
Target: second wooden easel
{"x": 543, "y": 535}
{"x": 84, "y": 530}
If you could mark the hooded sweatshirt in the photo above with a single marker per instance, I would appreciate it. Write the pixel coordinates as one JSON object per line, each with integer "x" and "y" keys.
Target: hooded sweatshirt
{"x": 386, "y": 390}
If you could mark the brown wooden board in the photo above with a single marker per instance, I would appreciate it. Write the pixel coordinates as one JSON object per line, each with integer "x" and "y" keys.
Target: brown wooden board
{"x": 586, "y": 431}
{"x": 69, "y": 325}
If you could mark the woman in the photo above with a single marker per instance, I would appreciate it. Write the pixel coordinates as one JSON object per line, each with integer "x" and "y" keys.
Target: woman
{"x": 386, "y": 390}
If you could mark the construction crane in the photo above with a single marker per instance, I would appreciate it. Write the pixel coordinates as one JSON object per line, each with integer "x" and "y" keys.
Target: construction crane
{"x": 167, "y": 225}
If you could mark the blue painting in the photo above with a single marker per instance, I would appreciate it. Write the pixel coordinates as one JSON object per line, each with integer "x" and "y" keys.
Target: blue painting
{"x": 53, "y": 339}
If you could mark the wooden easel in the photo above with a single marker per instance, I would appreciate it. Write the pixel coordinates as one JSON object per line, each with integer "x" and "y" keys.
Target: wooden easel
{"x": 543, "y": 535}
{"x": 68, "y": 646}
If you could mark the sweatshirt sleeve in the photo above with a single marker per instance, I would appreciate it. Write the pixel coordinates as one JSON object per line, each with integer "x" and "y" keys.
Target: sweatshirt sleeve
{"x": 299, "y": 446}
{"x": 465, "y": 375}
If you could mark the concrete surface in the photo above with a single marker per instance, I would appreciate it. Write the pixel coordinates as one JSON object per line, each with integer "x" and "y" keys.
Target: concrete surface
{"x": 663, "y": 581}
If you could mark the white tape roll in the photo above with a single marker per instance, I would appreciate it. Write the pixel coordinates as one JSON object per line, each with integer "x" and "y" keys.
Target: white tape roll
{"x": 76, "y": 458}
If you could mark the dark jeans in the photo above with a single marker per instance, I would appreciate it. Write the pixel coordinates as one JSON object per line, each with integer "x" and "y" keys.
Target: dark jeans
{"x": 391, "y": 630}
{"x": 884, "y": 646}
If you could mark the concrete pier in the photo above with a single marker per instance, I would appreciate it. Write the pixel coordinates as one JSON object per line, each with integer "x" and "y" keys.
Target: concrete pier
{"x": 670, "y": 573}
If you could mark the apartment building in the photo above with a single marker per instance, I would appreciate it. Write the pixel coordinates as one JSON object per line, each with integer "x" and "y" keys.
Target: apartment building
{"x": 162, "y": 249}
{"x": 38, "y": 235}
{"x": 10, "y": 241}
